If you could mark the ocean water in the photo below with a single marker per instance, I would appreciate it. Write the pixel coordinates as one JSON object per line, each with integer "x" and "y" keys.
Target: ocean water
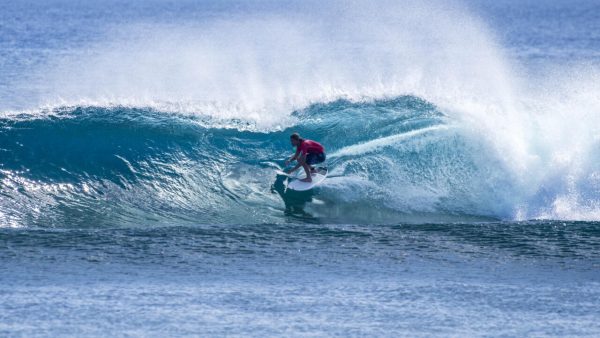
{"x": 139, "y": 142}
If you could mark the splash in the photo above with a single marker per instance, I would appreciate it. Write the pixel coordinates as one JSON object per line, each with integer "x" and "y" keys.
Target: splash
{"x": 262, "y": 66}
{"x": 510, "y": 145}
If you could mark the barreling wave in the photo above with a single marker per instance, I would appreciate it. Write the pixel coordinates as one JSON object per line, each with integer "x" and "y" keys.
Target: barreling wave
{"x": 90, "y": 165}
{"x": 423, "y": 115}
{"x": 392, "y": 160}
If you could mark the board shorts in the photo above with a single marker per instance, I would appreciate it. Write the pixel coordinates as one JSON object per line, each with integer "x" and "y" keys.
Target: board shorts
{"x": 315, "y": 158}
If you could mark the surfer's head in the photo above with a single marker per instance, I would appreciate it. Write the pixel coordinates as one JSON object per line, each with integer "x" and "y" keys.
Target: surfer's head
{"x": 295, "y": 139}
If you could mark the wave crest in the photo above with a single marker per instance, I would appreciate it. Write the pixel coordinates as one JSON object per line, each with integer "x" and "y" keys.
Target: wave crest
{"x": 391, "y": 160}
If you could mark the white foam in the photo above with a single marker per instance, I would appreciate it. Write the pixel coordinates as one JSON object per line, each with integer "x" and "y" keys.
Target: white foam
{"x": 373, "y": 145}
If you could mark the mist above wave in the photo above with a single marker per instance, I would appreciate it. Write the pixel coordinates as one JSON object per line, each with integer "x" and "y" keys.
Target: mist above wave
{"x": 261, "y": 66}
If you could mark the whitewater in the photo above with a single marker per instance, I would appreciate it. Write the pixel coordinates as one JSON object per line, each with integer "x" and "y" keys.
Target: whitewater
{"x": 139, "y": 142}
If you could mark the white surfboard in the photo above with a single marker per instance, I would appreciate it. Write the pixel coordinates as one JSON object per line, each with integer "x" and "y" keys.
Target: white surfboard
{"x": 317, "y": 178}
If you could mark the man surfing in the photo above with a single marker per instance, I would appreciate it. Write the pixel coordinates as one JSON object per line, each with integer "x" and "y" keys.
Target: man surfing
{"x": 308, "y": 153}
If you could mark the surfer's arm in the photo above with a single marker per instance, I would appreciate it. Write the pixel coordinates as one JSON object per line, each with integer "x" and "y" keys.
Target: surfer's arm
{"x": 298, "y": 165}
{"x": 293, "y": 158}
{"x": 302, "y": 163}
{"x": 294, "y": 168}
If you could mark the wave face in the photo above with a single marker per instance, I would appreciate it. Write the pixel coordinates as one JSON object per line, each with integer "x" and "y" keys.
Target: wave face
{"x": 391, "y": 160}
{"x": 114, "y": 165}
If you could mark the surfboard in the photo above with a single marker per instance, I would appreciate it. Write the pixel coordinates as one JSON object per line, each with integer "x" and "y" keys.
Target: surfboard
{"x": 317, "y": 178}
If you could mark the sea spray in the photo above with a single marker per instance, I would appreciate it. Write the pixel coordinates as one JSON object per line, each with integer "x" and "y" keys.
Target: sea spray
{"x": 426, "y": 87}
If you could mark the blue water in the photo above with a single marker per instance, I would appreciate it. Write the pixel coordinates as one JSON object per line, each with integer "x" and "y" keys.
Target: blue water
{"x": 139, "y": 142}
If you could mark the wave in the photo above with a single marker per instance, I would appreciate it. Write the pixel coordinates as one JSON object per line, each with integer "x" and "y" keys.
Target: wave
{"x": 423, "y": 114}
{"x": 391, "y": 160}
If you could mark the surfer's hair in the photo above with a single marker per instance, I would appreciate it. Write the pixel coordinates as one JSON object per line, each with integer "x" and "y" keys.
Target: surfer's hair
{"x": 296, "y": 136}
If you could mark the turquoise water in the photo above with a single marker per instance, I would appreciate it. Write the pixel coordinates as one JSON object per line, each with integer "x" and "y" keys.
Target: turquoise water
{"x": 139, "y": 142}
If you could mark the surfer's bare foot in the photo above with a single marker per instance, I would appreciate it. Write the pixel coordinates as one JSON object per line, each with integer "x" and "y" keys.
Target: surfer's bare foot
{"x": 308, "y": 179}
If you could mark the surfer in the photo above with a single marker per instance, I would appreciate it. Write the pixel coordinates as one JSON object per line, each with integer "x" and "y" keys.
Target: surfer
{"x": 308, "y": 153}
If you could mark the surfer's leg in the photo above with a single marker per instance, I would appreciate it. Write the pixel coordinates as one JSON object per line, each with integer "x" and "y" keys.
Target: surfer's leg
{"x": 307, "y": 168}
{"x": 313, "y": 159}
{"x": 310, "y": 160}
